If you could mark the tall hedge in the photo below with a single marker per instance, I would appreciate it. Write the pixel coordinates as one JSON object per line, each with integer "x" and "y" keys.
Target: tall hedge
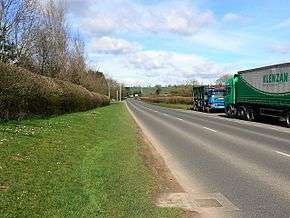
{"x": 168, "y": 99}
{"x": 24, "y": 93}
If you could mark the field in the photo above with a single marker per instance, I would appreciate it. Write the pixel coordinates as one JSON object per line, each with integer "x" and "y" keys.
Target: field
{"x": 151, "y": 90}
{"x": 83, "y": 164}
{"x": 164, "y": 90}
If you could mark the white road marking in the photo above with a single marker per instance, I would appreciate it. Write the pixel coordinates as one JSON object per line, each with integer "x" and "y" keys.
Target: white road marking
{"x": 209, "y": 129}
{"x": 165, "y": 114}
{"x": 282, "y": 153}
{"x": 179, "y": 118}
{"x": 149, "y": 109}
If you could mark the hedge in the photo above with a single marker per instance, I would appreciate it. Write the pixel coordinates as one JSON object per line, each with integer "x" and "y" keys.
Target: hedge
{"x": 168, "y": 99}
{"x": 23, "y": 93}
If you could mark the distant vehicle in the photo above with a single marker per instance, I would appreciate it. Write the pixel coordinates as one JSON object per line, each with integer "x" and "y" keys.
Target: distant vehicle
{"x": 208, "y": 98}
{"x": 257, "y": 92}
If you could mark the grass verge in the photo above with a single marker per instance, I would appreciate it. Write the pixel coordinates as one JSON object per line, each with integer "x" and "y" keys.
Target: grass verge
{"x": 174, "y": 106}
{"x": 76, "y": 165}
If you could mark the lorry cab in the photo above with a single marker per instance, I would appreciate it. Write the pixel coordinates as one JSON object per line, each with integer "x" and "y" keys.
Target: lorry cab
{"x": 208, "y": 98}
{"x": 216, "y": 98}
{"x": 230, "y": 96}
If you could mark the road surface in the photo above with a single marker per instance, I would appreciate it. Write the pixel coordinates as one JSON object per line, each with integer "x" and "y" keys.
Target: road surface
{"x": 246, "y": 163}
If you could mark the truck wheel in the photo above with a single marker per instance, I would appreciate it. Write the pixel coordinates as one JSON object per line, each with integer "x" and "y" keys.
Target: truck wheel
{"x": 242, "y": 113}
{"x": 231, "y": 111}
{"x": 253, "y": 115}
{"x": 228, "y": 112}
{"x": 287, "y": 120}
{"x": 249, "y": 114}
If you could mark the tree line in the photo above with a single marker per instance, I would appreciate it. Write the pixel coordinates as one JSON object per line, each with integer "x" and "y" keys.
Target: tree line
{"x": 35, "y": 35}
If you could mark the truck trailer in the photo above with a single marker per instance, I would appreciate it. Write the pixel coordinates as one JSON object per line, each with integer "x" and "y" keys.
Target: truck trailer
{"x": 263, "y": 91}
{"x": 208, "y": 98}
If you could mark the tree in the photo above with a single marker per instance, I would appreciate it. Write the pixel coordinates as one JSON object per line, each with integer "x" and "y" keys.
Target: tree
{"x": 158, "y": 89}
{"x": 184, "y": 90}
{"x": 51, "y": 47}
{"x": 17, "y": 20}
{"x": 114, "y": 87}
{"x": 77, "y": 61}
{"x": 7, "y": 48}
{"x": 223, "y": 79}
{"x": 34, "y": 34}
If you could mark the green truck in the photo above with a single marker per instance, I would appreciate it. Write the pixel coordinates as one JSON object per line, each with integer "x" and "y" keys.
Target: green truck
{"x": 259, "y": 92}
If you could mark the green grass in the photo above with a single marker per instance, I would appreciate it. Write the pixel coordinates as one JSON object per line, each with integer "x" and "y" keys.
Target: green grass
{"x": 76, "y": 165}
{"x": 174, "y": 106}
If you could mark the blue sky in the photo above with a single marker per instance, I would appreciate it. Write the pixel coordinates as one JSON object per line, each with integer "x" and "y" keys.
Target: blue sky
{"x": 151, "y": 42}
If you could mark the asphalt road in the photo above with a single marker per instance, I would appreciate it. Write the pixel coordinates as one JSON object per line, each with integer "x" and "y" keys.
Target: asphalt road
{"x": 248, "y": 163}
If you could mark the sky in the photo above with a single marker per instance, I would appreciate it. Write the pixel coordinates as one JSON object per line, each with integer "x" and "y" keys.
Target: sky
{"x": 150, "y": 42}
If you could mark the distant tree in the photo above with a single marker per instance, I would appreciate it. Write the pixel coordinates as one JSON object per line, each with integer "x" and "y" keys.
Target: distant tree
{"x": 158, "y": 89}
{"x": 193, "y": 82}
{"x": 184, "y": 90}
{"x": 223, "y": 79}
{"x": 114, "y": 87}
{"x": 77, "y": 62}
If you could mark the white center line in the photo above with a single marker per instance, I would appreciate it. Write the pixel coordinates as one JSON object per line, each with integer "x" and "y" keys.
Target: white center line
{"x": 179, "y": 118}
{"x": 282, "y": 153}
{"x": 210, "y": 129}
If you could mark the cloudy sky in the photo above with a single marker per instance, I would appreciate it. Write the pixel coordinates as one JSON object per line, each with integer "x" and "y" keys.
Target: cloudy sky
{"x": 149, "y": 42}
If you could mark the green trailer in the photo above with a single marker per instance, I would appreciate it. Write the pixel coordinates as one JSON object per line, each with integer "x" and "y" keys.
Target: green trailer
{"x": 258, "y": 92}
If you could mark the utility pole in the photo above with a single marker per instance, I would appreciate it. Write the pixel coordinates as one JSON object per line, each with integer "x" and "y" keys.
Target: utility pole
{"x": 120, "y": 92}
{"x": 109, "y": 91}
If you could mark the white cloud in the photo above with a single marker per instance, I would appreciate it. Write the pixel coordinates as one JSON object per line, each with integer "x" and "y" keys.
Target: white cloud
{"x": 99, "y": 24}
{"x": 180, "y": 18}
{"x": 82, "y": 7}
{"x": 284, "y": 24}
{"x": 224, "y": 41}
{"x": 126, "y": 15}
{"x": 153, "y": 67}
{"x": 108, "y": 24}
{"x": 108, "y": 45}
{"x": 281, "y": 48}
{"x": 165, "y": 67}
{"x": 231, "y": 17}
{"x": 149, "y": 60}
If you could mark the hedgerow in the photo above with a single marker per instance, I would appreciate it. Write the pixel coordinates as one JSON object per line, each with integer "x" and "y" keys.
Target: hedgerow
{"x": 168, "y": 99}
{"x": 23, "y": 93}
